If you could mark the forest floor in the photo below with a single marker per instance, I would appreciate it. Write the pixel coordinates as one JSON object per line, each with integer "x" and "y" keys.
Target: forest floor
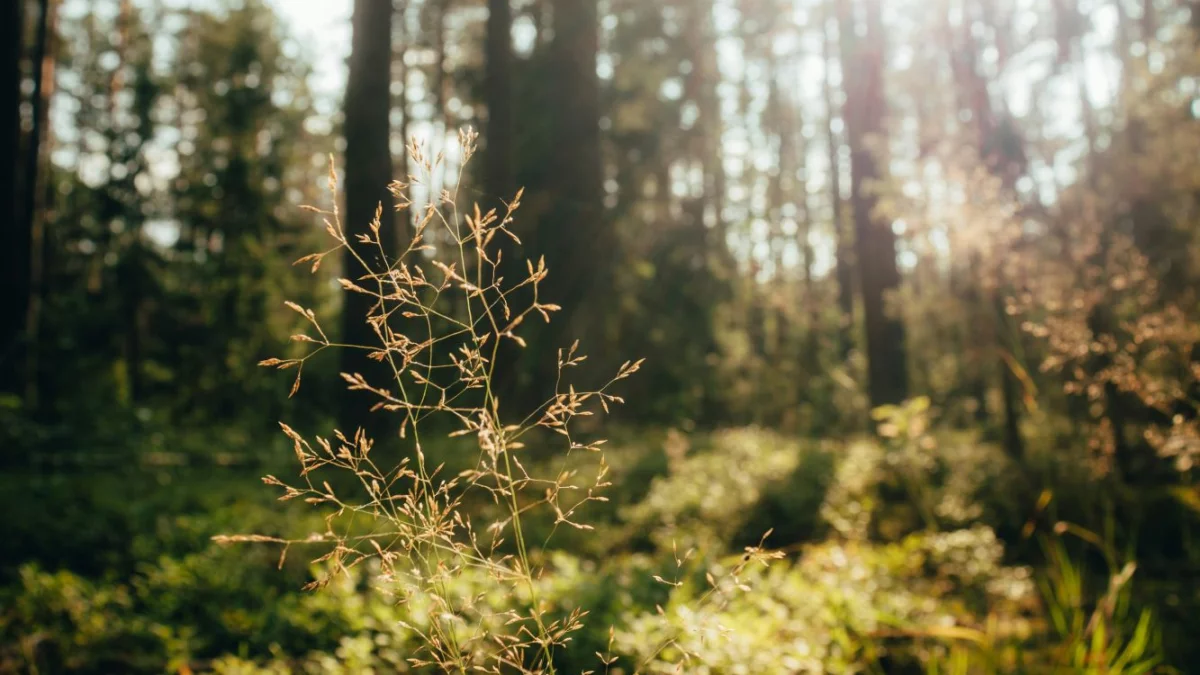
{"x": 894, "y": 558}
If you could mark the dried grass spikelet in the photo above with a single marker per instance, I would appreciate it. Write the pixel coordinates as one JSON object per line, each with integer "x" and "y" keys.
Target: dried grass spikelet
{"x": 422, "y": 539}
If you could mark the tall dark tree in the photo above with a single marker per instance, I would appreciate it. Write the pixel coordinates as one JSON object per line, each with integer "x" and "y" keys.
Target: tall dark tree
{"x": 368, "y": 166}
{"x": 400, "y": 98}
{"x": 10, "y": 91}
{"x": 844, "y": 268}
{"x": 572, "y": 235}
{"x": 14, "y": 251}
{"x": 875, "y": 242}
{"x": 33, "y": 220}
{"x": 709, "y": 285}
{"x": 498, "y": 88}
{"x": 121, "y": 197}
{"x": 579, "y": 234}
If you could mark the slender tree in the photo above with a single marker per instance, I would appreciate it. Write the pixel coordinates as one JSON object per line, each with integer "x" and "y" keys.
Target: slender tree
{"x": 400, "y": 50}
{"x": 1003, "y": 158}
{"x": 498, "y": 88}
{"x": 712, "y": 288}
{"x": 575, "y": 239}
{"x": 14, "y": 251}
{"x": 571, "y": 235}
{"x": 810, "y": 297}
{"x": 844, "y": 268}
{"x": 576, "y": 160}
{"x": 875, "y": 242}
{"x": 132, "y": 74}
{"x": 441, "y": 77}
{"x": 33, "y": 218}
{"x": 368, "y": 169}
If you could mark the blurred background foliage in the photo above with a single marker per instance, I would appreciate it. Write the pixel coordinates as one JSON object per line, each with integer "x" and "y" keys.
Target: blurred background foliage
{"x": 915, "y": 281}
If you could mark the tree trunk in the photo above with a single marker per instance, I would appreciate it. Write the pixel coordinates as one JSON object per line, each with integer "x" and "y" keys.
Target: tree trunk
{"x": 812, "y": 338}
{"x": 368, "y": 171}
{"x": 1004, "y": 162}
{"x": 776, "y": 121}
{"x": 538, "y": 11}
{"x": 576, "y": 238}
{"x": 440, "y": 81}
{"x": 875, "y": 242}
{"x": 132, "y": 285}
{"x": 1150, "y": 19}
{"x": 134, "y": 266}
{"x": 498, "y": 87}
{"x": 576, "y": 161}
{"x": 34, "y": 220}
{"x": 702, "y": 87}
{"x": 14, "y": 251}
{"x": 572, "y": 236}
{"x": 406, "y": 219}
{"x": 844, "y": 270}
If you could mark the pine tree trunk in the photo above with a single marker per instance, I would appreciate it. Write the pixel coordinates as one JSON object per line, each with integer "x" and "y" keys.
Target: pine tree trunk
{"x": 844, "y": 270}
{"x": 14, "y": 251}
{"x": 35, "y": 201}
{"x": 574, "y": 237}
{"x": 875, "y": 242}
{"x": 576, "y": 162}
{"x": 1000, "y": 161}
{"x": 498, "y": 158}
{"x": 368, "y": 167}
{"x": 404, "y": 220}
{"x": 440, "y": 81}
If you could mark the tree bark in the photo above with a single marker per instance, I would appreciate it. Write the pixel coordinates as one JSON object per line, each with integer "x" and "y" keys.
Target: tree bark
{"x": 576, "y": 160}
{"x": 812, "y": 338}
{"x": 702, "y": 85}
{"x": 368, "y": 163}
{"x": 1150, "y": 19}
{"x": 440, "y": 81}
{"x": 498, "y": 87}
{"x": 844, "y": 267}
{"x": 875, "y": 242}
{"x": 406, "y": 219}
{"x": 576, "y": 237}
{"x": 572, "y": 235}
{"x": 1004, "y": 162}
{"x": 14, "y": 263}
{"x": 34, "y": 220}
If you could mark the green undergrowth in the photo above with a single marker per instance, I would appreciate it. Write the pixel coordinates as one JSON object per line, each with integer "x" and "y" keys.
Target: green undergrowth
{"x": 895, "y": 560}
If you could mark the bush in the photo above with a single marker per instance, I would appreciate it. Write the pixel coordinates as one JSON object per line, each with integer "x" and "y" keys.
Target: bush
{"x": 831, "y": 610}
{"x": 733, "y": 489}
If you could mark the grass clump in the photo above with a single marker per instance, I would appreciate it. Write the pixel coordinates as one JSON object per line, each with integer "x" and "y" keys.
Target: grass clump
{"x": 443, "y": 311}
